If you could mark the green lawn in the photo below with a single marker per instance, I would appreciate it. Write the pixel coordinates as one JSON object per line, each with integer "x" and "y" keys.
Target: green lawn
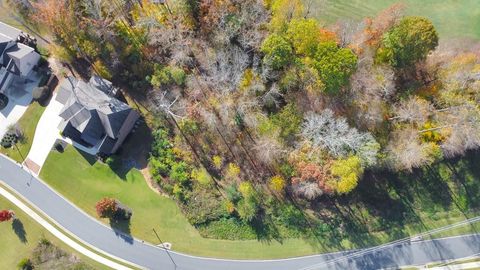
{"x": 452, "y": 18}
{"x": 394, "y": 206}
{"x": 27, "y": 124}
{"x": 19, "y": 241}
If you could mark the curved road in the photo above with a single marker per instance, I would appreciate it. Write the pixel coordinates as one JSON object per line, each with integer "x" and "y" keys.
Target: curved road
{"x": 102, "y": 237}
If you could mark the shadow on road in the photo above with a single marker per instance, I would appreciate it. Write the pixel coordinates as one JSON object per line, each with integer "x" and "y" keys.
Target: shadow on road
{"x": 122, "y": 229}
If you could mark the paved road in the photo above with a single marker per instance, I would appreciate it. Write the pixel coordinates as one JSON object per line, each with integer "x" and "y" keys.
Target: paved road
{"x": 150, "y": 257}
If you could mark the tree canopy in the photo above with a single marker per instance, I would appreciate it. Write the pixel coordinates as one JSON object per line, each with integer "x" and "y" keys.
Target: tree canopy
{"x": 408, "y": 42}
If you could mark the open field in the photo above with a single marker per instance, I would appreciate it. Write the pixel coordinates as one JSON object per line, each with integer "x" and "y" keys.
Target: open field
{"x": 452, "y": 18}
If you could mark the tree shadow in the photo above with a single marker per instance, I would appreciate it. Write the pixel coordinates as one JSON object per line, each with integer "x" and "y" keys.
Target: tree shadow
{"x": 19, "y": 230}
{"x": 265, "y": 229}
{"x": 122, "y": 229}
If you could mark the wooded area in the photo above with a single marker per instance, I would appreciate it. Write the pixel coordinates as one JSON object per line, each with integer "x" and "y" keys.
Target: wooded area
{"x": 263, "y": 118}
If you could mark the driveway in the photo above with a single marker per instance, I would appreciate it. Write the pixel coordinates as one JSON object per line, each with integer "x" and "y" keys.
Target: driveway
{"x": 19, "y": 95}
{"x": 46, "y": 134}
{"x": 89, "y": 230}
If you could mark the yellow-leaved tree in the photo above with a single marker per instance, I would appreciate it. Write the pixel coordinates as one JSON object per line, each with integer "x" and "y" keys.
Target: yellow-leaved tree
{"x": 346, "y": 172}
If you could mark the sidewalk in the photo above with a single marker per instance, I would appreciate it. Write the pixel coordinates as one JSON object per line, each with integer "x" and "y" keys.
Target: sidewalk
{"x": 59, "y": 234}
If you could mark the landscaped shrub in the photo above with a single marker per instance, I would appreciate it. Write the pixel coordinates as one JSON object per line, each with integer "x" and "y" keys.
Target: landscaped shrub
{"x": 9, "y": 140}
{"x": 112, "y": 209}
{"x": 3, "y": 101}
{"x": 25, "y": 264}
{"x": 6, "y": 215}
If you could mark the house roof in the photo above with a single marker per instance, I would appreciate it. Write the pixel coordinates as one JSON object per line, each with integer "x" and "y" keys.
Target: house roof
{"x": 91, "y": 110}
{"x": 19, "y": 51}
{"x": 14, "y": 51}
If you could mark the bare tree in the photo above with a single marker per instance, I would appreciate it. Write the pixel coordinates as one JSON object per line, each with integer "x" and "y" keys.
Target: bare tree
{"x": 414, "y": 110}
{"x": 308, "y": 190}
{"x": 406, "y": 151}
{"x": 335, "y": 135}
{"x": 268, "y": 149}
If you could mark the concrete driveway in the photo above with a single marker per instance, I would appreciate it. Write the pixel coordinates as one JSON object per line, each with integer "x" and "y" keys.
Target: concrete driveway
{"x": 46, "y": 134}
{"x": 19, "y": 95}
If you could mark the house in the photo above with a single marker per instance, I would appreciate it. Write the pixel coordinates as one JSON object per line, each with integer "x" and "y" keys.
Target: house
{"x": 92, "y": 116}
{"x": 17, "y": 56}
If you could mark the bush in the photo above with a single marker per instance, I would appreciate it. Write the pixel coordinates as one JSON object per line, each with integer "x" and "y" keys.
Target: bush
{"x": 291, "y": 217}
{"x": 203, "y": 205}
{"x": 180, "y": 172}
{"x": 228, "y": 228}
{"x": 9, "y": 140}
{"x": 163, "y": 76}
{"x": 247, "y": 209}
{"x": 161, "y": 156}
{"x": 25, "y": 264}
{"x": 202, "y": 176}
{"x": 3, "y": 101}
{"x": 233, "y": 194}
{"x": 106, "y": 207}
{"x": 277, "y": 183}
{"x": 40, "y": 93}
{"x": 113, "y": 209}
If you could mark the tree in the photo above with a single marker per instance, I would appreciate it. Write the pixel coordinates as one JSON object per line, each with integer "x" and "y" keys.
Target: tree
{"x": 336, "y": 136}
{"x": 283, "y": 11}
{"x": 304, "y": 35}
{"x": 308, "y": 190}
{"x": 277, "y": 183}
{"x": 408, "y": 42}
{"x": 278, "y": 52}
{"x": 346, "y": 173}
{"x": 6, "y": 215}
{"x": 247, "y": 209}
{"x": 406, "y": 151}
{"x": 414, "y": 110}
{"x": 268, "y": 149}
{"x": 107, "y": 207}
{"x": 112, "y": 209}
{"x": 334, "y": 65}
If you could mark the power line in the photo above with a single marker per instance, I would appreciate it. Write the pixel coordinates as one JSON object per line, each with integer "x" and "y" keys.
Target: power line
{"x": 166, "y": 250}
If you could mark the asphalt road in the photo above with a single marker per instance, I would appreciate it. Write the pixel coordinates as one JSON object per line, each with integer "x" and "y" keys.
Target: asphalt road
{"x": 150, "y": 257}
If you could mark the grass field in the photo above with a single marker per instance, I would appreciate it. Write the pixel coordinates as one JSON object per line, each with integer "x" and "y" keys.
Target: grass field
{"x": 452, "y": 18}
{"x": 17, "y": 242}
{"x": 405, "y": 206}
{"x": 28, "y": 124}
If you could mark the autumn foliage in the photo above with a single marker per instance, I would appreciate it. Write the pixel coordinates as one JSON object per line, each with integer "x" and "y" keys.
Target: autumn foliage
{"x": 6, "y": 215}
{"x": 106, "y": 207}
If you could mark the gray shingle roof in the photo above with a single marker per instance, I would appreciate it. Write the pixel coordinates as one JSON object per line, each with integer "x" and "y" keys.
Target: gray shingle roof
{"x": 90, "y": 110}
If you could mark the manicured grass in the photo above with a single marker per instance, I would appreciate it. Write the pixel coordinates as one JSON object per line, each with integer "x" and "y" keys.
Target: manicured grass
{"x": 406, "y": 205}
{"x": 19, "y": 241}
{"x": 452, "y": 18}
{"x": 28, "y": 124}
{"x": 84, "y": 184}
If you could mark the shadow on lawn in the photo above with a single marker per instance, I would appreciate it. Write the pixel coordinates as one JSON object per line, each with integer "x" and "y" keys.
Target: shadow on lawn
{"x": 19, "y": 230}
{"x": 386, "y": 202}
